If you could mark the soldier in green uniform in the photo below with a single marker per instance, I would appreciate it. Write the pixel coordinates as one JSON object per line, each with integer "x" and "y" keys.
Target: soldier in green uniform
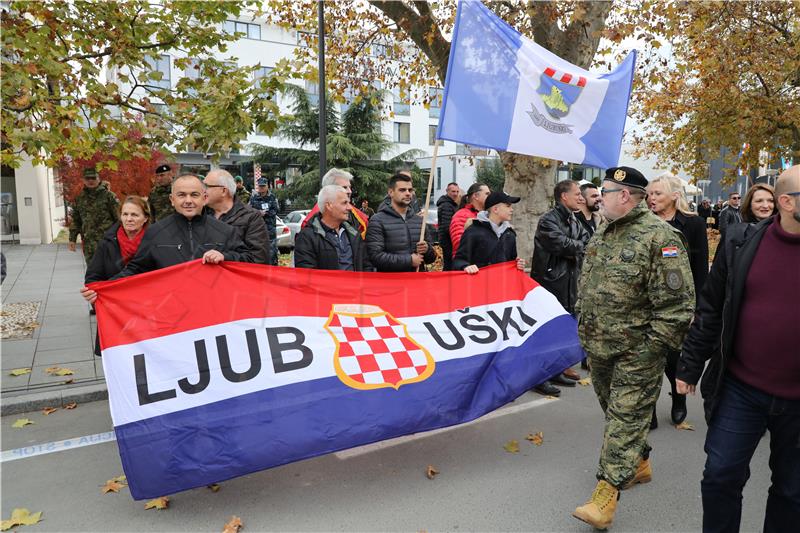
{"x": 635, "y": 303}
{"x": 160, "y": 205}
{"x": 241, "y": 192}
{"x": 94, "y": 211}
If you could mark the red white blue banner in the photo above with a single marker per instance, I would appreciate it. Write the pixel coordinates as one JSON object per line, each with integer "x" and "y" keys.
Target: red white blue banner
{"x": 217, "y": 371}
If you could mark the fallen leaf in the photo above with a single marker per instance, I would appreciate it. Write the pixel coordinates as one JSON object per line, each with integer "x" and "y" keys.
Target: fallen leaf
{"x": 20, "y": 371}
{"x": 71, "y": 405}
{"x": 67, "y": 382}
{"x": 49, "y": 410}
{"x": 158, "y": 503}
{"x": 120, "y": 479}
{"x": 22, "y": 422}
{"x": 233, "y": 525}
{"x": 58, "y": 371}
{"x": 536, "y": 438}
{"x": 551, "y": 398}
{"x": 112, "y": 486}
{"x": 431, "y": 472}
{"x": 585, "y": 381}
{"x": 511, "y": 446}
{"x": 214, "y": 487}
{"x": 685, "y": 426}
{"x": 20, "y": 517}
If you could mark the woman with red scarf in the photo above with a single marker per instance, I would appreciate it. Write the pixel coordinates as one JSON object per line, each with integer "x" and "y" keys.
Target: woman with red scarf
{"x": 119, "y": 244}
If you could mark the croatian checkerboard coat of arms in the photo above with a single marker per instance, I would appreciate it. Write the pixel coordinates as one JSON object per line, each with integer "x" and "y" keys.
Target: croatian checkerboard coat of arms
{"x": 374, "y": 350}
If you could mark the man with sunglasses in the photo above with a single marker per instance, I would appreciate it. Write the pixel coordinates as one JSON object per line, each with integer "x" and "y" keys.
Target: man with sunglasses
{"x": 635, "y": 302}
{"x": 93, "y": 212}
{"x": 730, "y": 214}
{"x": 746, "y": 327}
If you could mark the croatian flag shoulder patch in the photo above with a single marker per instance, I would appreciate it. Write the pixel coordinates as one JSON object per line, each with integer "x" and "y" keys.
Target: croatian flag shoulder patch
{"x": 669, "y": 251}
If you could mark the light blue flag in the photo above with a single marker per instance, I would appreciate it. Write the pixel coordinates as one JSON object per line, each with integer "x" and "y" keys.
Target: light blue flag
{"x": 506, "y": 92}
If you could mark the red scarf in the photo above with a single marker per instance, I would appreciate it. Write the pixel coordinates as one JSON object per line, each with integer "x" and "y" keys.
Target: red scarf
{"x": 128, "y": 247}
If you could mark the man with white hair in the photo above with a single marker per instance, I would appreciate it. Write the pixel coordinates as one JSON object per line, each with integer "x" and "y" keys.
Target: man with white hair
{"x": 249, "y": 225}
{"x": 329, "y": 241}
{"x": 342, "y": 178}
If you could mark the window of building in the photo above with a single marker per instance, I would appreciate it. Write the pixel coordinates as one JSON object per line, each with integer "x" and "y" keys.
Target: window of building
{"x": 431, "y": 134}
{"x": 435, "y": 95}
{"x": 250, "y": 31}
{"x": 402, "y": 132}
{"x": 312, "y": 92}
{"x": 438, "y": 178}
{"x": 401, "y": 104}
{"x": 262, "y": 72}
{"x": 160, "y": 64}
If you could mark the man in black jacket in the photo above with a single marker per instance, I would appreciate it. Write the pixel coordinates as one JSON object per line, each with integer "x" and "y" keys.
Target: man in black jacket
{"x": 557, "y": 256}
{"x": 730, "y": 214}
{"x": 184, "y": 236}
{"x": 446, "y": 206}
{"x": 329, "y": 241}
{"x": 490, "y": 239}
{"x": 394, "y": 230}
{"x": 224, "y": 205}
{"x": 746, "y": 325}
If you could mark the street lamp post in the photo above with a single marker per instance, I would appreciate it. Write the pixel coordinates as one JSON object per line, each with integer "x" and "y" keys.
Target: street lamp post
{"x": 323, "y": 133}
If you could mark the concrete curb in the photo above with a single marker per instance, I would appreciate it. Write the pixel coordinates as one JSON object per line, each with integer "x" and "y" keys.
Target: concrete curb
{"x": 36, "y": 401}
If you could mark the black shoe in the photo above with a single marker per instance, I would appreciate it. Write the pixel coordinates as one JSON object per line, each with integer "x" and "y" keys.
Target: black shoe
{"x": 678, "y": 412}
{"x": 654, "y": 421}
{"x": 585, "y": 364}
{"x": 547, "y": 388}
{"x": 91, "y": 311}
{"x": 561, "y": 380}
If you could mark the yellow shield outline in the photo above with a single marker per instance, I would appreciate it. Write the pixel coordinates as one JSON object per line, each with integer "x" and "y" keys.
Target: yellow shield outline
{"x": 347, "y": 380}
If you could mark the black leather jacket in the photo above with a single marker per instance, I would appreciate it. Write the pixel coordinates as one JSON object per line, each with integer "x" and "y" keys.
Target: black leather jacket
{"x": 558, "y": 254}
{"x": 176, "y": 240}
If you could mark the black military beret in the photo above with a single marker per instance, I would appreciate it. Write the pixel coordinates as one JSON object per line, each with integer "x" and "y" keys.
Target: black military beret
{"x": 627, "y": 176}
{"x": 163, "y": 168}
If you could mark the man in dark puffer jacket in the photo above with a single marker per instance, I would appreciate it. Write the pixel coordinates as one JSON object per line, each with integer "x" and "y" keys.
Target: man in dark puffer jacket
{"x": 446, "y": 207}
{"x": 393, "y": 232}
{"x": 490, "y": 239}
{"x": 329, "y": 241}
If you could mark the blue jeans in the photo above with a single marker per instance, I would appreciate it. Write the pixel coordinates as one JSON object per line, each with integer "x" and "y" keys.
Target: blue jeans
{"x": 742, "y": 416}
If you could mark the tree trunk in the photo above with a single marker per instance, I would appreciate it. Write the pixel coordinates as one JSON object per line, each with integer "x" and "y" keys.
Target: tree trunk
{"x": 532, "y": 179}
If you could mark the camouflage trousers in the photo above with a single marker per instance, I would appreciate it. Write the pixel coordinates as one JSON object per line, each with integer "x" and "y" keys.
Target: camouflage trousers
{"x": 627, "y": 386}
{"x": 89, "y": 248}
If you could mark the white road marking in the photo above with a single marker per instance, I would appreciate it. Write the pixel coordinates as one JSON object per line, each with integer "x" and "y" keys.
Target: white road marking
{"x": 503, "y": 411}
{"x": 57, "y": 446}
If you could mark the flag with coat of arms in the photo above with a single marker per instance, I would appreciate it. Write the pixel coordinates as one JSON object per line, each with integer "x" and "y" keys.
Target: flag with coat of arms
{"x": 506, "y": 92}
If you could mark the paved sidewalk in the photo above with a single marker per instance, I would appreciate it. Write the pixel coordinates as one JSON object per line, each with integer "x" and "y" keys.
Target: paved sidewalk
{"x": 52, "y": 275}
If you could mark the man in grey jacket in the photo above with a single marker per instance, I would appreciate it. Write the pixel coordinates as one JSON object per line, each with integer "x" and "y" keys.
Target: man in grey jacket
{"x": 394, "y": 230}
{"x": 730, "y": 215}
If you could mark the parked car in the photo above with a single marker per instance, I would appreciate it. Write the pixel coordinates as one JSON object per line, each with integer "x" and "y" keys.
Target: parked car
{"x": 293, "y": 221}
{"x": 284, "y": 236}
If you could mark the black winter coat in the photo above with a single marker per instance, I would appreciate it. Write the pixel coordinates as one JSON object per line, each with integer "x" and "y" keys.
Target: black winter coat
{"x": 391, "y": 239}
{"x": 480, "y": 246}
{"x": 445, "y": 209}
{"x": 313, "y": 250}
{"x": 176, "y": 239}
{"x": 713, "y": 332}
{"x": 107, "y": 260}
{"x": 727, "y": 218}
{"x": 694, "y": 230}
{"x": 250, "y": 229}
{"x": 558, "y": 254}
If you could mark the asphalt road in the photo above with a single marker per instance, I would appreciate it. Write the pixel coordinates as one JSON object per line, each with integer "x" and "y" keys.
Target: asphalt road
{"x": 383, "y": 487}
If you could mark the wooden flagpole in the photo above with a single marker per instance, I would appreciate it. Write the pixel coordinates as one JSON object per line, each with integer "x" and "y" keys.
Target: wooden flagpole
{"x": 428, "y": 196}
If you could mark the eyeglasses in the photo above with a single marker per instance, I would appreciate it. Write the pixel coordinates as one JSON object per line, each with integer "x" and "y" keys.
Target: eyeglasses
{"x": 736, "y": 197}
{"x": 211, "y": 186}
{"x": 603, "y": 190}
{"x": 796, "y": 193}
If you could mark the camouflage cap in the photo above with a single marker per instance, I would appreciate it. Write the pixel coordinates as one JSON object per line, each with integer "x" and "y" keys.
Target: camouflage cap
{"x": 238, "y": 179}
{"x": 626, "y": 176}
{"x": 90, "y": 173}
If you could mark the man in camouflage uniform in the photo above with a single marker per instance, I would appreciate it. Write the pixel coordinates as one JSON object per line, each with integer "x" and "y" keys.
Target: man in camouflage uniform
{"x": 93, "y": 212}
{"x": 265, "y": 202}
{"x": 635, "y": 303}
{"x": 241, "y": 192}
{"x": 160, "y": 204}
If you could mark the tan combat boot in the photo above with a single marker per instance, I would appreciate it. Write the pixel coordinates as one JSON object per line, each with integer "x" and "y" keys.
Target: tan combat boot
{"x": 644, "y": 474}
{"x": 599, "y": 510}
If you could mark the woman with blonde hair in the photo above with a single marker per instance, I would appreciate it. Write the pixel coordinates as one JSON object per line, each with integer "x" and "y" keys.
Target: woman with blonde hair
{"x": 666, "y": 198}
{"x": 759, "y": 203}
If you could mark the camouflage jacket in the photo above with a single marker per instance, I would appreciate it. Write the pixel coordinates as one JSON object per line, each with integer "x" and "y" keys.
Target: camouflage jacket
{"x": 635, "y": 287}
{"x": 243, "y": 195}
{"x": 160, "y": 206}
{"x": 93, "y": 212}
